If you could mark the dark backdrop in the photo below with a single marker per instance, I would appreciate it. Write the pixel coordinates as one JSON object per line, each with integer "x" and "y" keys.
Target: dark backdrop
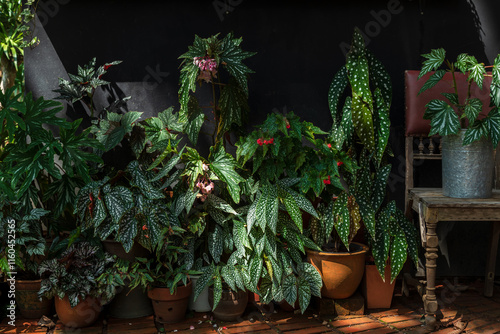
{"x": 299, "y": 44}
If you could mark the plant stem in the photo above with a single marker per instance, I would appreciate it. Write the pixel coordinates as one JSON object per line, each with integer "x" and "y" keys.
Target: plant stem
{"x": 216, "y": 118}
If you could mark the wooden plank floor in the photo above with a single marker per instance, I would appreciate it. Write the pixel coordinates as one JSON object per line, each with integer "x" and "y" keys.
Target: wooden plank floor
{"x": 481, "y": 314}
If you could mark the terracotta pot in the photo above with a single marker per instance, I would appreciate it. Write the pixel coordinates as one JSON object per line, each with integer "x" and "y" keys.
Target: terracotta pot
{"x": 84, "y": 314}
{"x": 170, "y": 308}
{"x": 377, "y": 293}
{"x": 128, "y": 304}
{"x": 341, "y": 272}
{"x": 253, "y": 297}
{"x": 30, "y": 306}
{"x": 232, "y": 304}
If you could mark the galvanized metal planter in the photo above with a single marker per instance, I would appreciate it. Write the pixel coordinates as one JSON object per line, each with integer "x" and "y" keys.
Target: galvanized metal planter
{"x": 467, "y": 170}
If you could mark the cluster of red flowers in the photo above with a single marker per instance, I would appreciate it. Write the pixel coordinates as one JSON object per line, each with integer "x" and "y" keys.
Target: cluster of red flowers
{"x": 262, "y": 141}
{"x": 329, "y": 181}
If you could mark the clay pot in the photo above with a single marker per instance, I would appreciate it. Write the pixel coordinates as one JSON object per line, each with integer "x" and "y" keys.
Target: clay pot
{"x": 341, "y": 272}
{"x": 170, "y": 308}
{"x": 30, "y": 306}
{"x": 128, "y": 304}
{"x": 231, "y": 306}
{"x": 377, "y": 293}
{"x": 84, "y": 314}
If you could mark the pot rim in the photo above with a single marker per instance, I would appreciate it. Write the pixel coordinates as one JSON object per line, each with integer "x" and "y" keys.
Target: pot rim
{"x": 364, "y": 250}
{"x": 179, "y": 285}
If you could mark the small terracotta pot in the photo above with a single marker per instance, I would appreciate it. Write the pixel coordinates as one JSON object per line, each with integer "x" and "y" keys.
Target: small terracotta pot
{"x": 232, "y": 304}
{"x": 170, "y": 308}
{"x": 341, "y": 272}
{"x": 378, "y": 294}
{"x": 28, "y": 302}
{"x": 84, "y": 314}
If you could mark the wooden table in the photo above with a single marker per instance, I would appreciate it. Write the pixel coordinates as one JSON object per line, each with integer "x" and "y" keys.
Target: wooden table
{"x": 432, "y": 207}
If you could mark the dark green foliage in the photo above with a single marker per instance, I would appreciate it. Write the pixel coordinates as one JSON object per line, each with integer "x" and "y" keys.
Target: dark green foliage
{"x": 459, "y": 112}
{"x": 82, "y": 85}
{"x": 229, "y": 105}
{"x": 361, "y": 128}
{"x": 76, "y": 273}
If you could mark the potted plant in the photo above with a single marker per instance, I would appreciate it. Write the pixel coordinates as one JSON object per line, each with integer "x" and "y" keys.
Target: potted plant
{"x": 468, "y": 128}
{"x": 209, "y": 61}
{"x": 74, "y": 280}
{"x": 38, "y": 192}
{"x": 361, "y": 130}
{"x": 14, "y": 37}
{"x": 286, "y": 169}
{"x": 121, "y": 198}
{"x": 166, "y": 275}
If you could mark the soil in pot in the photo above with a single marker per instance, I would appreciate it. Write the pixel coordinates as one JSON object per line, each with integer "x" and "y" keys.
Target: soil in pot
{"x": 128, "y": 304}
{"x": 232, "y": 304}
{"x": 170, "y": 308}
{"x": 341, "y": 272}
{"x": 27, "y": 301}
{"x": 83, "y": 314}
{"x": 378, "y": 294}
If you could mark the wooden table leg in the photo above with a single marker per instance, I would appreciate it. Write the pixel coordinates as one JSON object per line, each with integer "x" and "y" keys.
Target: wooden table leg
{"x": 431, "y": 255}
{"x": 491, "y": 261}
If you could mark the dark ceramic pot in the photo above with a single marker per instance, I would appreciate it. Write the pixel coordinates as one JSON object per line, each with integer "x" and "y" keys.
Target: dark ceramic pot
{"x": 128, "y": 304}
{"x": 232, "y": 304}
{"x": 30, "y": 306}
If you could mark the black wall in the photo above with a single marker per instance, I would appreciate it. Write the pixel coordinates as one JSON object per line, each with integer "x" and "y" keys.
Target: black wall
{"x": 300, "y": 45}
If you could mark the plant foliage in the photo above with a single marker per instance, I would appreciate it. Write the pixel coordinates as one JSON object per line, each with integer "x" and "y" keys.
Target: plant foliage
{"x": 361, "y": 128}
{"x": 449, "y": 115}
{"x": 76, "y": 274}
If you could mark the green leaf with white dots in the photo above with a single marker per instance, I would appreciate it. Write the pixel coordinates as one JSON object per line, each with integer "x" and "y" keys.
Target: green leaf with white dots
{"x": 398, "y": 249}
{"x": 379, "y": 186}
{"x": 272, "y": 202}
{"x": 215, "y": 243}
{"x": 337, "y": 87}
{"x": 127, "y": 230}
{"x": 256, "y": 266}
{"x": 293, "y": 210}
{"x": 304, "y": 293}
{"x": 362, "y": 120}
{"x": 118, "y": 200}
{"x": 380, "y": 79}
{"x": 224, "y": 166}
{"x": 228, "y": 274}
{"x": 290, "y": 289}
{"x": 380, "y": 248}
{"x": 411, "y": 234}
{"x": 342, "y": 218}
{"x": 382, "y": 125}
{"x": 217, "y": 288}
{"x": 367, "y": 212}
{"x": 312, "y": 276}
{"x": 303, "y": 203}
